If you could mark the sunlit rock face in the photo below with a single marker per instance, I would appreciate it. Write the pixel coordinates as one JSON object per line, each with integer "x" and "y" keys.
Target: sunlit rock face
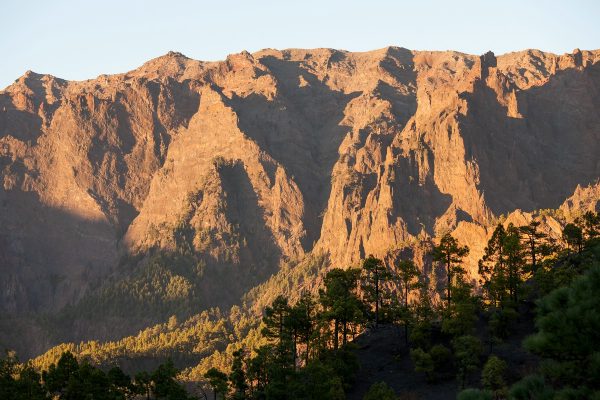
{"x": 265, "y": 157}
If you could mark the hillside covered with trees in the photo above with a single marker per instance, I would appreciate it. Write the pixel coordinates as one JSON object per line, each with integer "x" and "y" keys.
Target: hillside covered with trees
{"x": 361, "y": 324}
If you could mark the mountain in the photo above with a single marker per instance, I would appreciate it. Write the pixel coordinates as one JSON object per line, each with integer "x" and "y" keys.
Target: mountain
{"x": 182, "y": 184}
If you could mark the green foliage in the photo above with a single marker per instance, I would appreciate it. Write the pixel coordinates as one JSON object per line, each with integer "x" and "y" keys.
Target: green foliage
{"x": 423, "y": 362}
{"x": 375, "y": 275}
{"x": 421, "y": 335}
{"x": 536, "y": 243}
{"x": 407, "y": 274}
{"x": 450, "y": 253}
{"x": 165, "y": 285}
{"x": 502, "y": 269}
{"x": 70, "y": 379}
{"x": 433, "y": 362}
{"x": 569, "y": 334}
{"x": 340, "y": 302}
{"x": 467, "y": 350}
{"x": 573, "y": 236}
{"x": 165, "y": 385}
{"x": 493, "y": 376}
{"x": 460, "y": 316}
{"x": 316, "y": 381}
{"x": 19, "y": 382}
{"x": 474, "y": 394}
{"x": 441, "y": 357}
{"x": 500, "y": 323}
{"x": 237, "y": 378}
{"x": 590, "y": 223}
{"x": 380, "y": 391}
{"x": 532, "y": 387}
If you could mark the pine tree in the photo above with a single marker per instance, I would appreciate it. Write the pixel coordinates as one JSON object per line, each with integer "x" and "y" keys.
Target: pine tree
{"x": 340, "y": 301}
{"x": 501, "y": 268}
{"x": 492, "y": 269}
{"x": 590, "y": 224}
{"x": 514, "y": 262}
{"x": 58, "y": 375}
{"x": 274, "y": 320}
{"x": 467, "y": 350}
{"x": 375, "y": 275}
{"x": 143, "y": 384}
{"x": 573, "y": 236}
{"x": 165, "y": 383}
{"x": 407, "y": 274}
{"x": 493, "y": 377}
{"x": 568, "y": 337}
{"x": 237, "y": 377}
{"x": 450, "y": 253}
{"x": 534, "y": 241}
{"x": 302, "y": 322}
{"x": 217, "y": 381}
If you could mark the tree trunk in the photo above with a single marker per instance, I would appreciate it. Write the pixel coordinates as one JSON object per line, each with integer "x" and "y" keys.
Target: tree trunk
{"x": 335, "y": 335}
{"x": 406, "y": 310}
{"x": 533, "y": 260}
{"x": 376, "y": 297}
{"x": 449, "y": 278}
{"x": 295, "y": 348}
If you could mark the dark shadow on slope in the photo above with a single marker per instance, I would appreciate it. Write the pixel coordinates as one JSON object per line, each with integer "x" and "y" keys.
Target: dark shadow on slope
{"x": 535, "y": 161}
{"x": 21, "y": 125}
{"x": 244, "y": 213}
{"x": 384, "y": 357}
{"x": 418, "y": 202}
{"x": 48, "y": 258}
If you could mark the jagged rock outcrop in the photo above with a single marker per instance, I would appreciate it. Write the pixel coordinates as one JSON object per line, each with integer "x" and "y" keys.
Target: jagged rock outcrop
{"x": 266, "y": 157}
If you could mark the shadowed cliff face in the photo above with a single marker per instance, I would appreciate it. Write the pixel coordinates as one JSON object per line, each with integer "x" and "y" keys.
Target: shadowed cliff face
{"x": 266, "y": 157}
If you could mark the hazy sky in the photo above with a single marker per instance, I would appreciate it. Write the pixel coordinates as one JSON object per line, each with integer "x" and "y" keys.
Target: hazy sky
{"x": 82, "y": 39}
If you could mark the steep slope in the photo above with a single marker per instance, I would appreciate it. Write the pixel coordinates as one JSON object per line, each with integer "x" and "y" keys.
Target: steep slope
{"x": 264, "y": 158}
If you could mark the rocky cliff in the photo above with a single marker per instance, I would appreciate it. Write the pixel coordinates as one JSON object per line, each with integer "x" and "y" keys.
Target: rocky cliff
{"x": 266, "y": 157}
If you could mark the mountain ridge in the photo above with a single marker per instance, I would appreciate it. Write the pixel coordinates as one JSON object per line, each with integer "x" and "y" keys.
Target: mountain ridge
{"x": 263, "y": 158}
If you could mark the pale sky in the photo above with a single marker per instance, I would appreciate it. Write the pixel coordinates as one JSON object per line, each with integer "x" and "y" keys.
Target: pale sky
{"x": 80, "y": 39}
